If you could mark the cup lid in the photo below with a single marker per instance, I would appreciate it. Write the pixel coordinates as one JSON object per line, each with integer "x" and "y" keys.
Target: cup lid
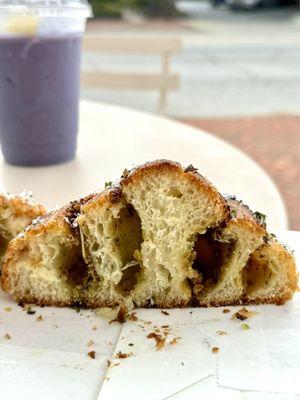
{"x": 47, "y": 8}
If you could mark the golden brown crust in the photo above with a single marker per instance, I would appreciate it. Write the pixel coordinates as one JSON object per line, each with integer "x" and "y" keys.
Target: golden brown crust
{"x": 114, "y": 194}
{"x": 286, "y": 262}
{"x": 53, "y": 221}
{"x": 240, "y": 215}
{"x": 21, "y": 206}
{"x": 163, "y": 166}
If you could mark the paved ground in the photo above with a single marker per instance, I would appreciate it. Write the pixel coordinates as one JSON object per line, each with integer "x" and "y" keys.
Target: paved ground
{"x": 274, "y": 142}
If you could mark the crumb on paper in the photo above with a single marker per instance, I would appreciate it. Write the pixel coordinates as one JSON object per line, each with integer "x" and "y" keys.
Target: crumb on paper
{"x": 7, "y": 336}
{"x": 123, "y": 355}
{"x": 165, "y": 312}
{"x": 175, "y": 340}
{"x": 7, "y": 309}
{"x": 94, "y": 327}
{"x": 225, "y": 310}
{"x": 191, "y": 312}
{"x": 27, "y": 308}
{"x": 221, "y": 333}
{"x": 215, "y": 350}
{"x": 165, "y": 326}
{"x": 245, "y": 327}
{"x": 182, "y": 363}
{"x": 111, "y": 364}
{"x": 130, "y": 344}
{"x": 90, "y": 343}
{"x": 160, "y": 341}
{"x": 106, "y": 378}
{"x": 243, "y": 314}
{"x": 132, "y": 316}
{"x": 92, "y": 354}
{"x": 121, "y": 315}
{"x": 39, "y": 318}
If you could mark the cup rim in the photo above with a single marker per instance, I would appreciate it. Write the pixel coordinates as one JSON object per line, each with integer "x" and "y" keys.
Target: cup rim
{"x": 42, "y": 8}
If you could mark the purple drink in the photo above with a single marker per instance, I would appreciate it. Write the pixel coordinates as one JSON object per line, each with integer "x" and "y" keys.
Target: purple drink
{"x": 39, "y": 92}
{"x": 40, "y": 48}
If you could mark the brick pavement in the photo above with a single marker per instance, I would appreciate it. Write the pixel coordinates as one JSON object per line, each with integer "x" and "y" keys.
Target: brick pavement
{"x": 274, "y": 142}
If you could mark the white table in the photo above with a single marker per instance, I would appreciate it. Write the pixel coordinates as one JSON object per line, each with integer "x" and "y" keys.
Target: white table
{"x": 113, "y": 138}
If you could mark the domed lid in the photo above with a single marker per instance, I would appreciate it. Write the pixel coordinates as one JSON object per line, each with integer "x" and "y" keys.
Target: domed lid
{"x": 46, "y": 8}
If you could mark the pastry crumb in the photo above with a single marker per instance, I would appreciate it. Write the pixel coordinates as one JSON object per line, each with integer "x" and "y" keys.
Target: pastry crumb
{"x": 243, "y": 314}
{"x": 225, "y": 310}
{"x": 92, "y": 354}
{"x": 132, "y": 316}
{"x": 165, "y": 312}
{"x": 114, "y": 364}
{"x": 7, "y": 336}
{"x": 90, "y": 343}
{"x": 123, "y": 355}
{"x": 160, "y": 341}
{"x": 39, "y": 318}
{"x": 7, "y": 309}
{"x": 94, "y": 327}
{"x": 175, "y": 340}
{"x": 221, "y": 333}
{"x": 215, "y": 350}
{"x": 121, "y": 316}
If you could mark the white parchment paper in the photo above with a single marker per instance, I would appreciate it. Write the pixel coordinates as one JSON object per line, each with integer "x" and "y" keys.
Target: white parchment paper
{"x": 47, "y": 359}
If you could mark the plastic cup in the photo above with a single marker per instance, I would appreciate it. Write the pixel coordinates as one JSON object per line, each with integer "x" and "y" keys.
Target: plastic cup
{"x": 40, "y": 51}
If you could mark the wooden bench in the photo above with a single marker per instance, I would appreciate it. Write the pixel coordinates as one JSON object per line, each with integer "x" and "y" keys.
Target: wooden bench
{"x": 162, "y": 81}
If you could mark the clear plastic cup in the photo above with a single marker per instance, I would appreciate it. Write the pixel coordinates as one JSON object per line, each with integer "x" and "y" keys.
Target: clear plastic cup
{"x": 40, "y": 51}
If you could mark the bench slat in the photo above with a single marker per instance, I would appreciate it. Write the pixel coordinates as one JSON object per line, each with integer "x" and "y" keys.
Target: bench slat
{"x": 124, "y": 81}
{"x": 126, "y": 44}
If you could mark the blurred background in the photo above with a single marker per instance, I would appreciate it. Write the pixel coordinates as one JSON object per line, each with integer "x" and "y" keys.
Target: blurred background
{"x": 232, "y": 67}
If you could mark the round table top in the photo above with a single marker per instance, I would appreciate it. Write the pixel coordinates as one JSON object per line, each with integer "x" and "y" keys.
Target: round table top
{"x": 113, "y": 138}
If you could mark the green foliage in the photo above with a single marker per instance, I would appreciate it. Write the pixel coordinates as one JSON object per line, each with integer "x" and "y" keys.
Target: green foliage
{"x": 152, "y": 8}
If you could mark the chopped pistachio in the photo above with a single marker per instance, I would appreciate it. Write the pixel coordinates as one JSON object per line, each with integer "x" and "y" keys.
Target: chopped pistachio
{"x": 233, "y": 213}
{"x": 260, "y": 217}
{"x": 245, "y": 327}
{"x": 108, "y": 184}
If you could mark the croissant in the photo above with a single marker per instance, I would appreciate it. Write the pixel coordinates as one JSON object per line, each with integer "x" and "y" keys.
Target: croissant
{"x": 162, "y": 237}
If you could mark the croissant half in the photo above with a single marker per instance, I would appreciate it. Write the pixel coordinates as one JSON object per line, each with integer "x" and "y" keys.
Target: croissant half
{"x": 16, "y": 212}
{"x": 163, "y": 237}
